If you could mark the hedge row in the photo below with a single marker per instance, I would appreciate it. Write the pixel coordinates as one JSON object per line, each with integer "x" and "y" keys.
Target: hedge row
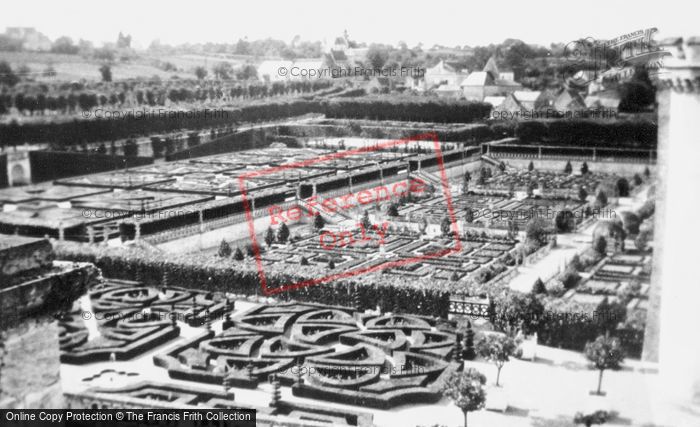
{"x": 618, "y": 133}
{"x": 472, "y": 133}
{"x": 437, "y": 111}
{"x": 79, "y": 131}
{"x": 51, "y": 165}
{"x": 214, "y": 274}
{"x": 94, "y": 130}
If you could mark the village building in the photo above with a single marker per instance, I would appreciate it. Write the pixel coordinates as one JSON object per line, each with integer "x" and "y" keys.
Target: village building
{"x": 488, "y": 82}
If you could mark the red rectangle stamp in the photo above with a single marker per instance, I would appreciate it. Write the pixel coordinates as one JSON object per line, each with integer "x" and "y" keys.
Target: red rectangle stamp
{"x": 338, "y": 202}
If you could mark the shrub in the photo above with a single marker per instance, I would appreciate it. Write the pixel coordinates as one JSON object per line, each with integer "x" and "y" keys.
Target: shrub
{"x": 568, "y": 169}
{"x": 536, "y": 231}
{"x": 224, "y": 249}
{"x": 555, "y": 288}
{"x": 283, "y": 233}
{"x": 538, "y": 287}
{"x": 564, "y": 221}
{"x": 623, "y": 187}
{"x": 600, "y": 245}
{"x": 319, "y": 222}
{"x": 582, "y": 194}
{"x": 601, "y": 200}
{"x": 269, "y": 237}
{"x": 569, "y": 278}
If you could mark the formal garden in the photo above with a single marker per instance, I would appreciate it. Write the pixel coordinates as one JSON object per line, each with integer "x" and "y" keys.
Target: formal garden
{"x": 131, "y": 319}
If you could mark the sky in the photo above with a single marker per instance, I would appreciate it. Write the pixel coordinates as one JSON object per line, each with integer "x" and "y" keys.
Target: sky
{"x": 449, "y": 23}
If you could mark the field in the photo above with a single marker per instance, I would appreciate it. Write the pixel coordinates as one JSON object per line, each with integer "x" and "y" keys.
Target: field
{"x": 77, "y": 67}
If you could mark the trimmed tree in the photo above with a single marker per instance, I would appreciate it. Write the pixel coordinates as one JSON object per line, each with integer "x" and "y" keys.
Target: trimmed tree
{"x": 304, "y": 261}
{"x": 469, "y": 353}
{"x": 568, "y": 169}
{"x": 393, "y": 211}
{"x": 601, "y": 200}
{"x": 365, "y": 221}
{"x": 319, "y": 222}
{"x": 531, "y": 167}
{"x": 283, "y": 233}
{"x": 224, "y": 249}
{"x": 600, "y": 245}
{"x": 582, "y": 194}
{"x": 606, "y": 353}
{"x": 584, "y": 168}
{"x": 497, "y": 349}
{"x": 466, "y": 390}
{"x": 538, "y": 287}
{"x": 623, "y": 187}
{"x": 469, "y": 216}
{"x": 269, "y": 237}
{"x": 446, "y": 226}
{"x": 465, "y": 182}
{"x": 238, "y": 255}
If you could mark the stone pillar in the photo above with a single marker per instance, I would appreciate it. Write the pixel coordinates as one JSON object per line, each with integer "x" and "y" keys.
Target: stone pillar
{"x": 673, "y": 309}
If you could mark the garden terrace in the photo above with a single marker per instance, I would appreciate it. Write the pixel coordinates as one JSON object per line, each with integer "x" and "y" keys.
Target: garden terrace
{"x": 129, "y": 179}
{"x": 148, "y": 394}
{"x": 40, "y": 219}
{"x": 623, "y": 276}
{"x": 140, "y": 202}
{"x": 45, "y": 193}
{"x": 547, "y": 182}
{"x": 355, "y": 253}
{"x": 323, "y": 352}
